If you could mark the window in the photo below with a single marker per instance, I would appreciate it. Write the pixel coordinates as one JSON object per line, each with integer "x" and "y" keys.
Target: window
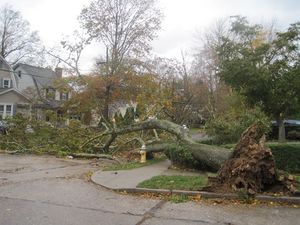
{"x": 6, "y": 83}
{"x": 6, "y": 110}
{"x": 19, "y": 73}
{"x": 50, "y": 93}
{"x": 1, "y": 111}
{"x": 64, "y": 96}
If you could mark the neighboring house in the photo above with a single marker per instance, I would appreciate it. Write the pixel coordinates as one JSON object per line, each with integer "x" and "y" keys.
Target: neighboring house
{"x": 11, "y": 99}
{"x": 39, "y": 85}
{"x": 41, "y": 80}
{"x": 26, "y": 89}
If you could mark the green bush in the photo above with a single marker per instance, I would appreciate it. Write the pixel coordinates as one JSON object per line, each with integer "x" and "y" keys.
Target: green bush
{"x": 287, "y": 156}
{"x": 228, "y": 127}
{"x": 181, "y": 157}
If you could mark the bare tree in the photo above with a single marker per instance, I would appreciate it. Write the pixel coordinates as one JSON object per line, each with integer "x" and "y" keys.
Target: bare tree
{"x": 125, "y": 27}
{"x": 18, "y": 42}
{"x": 205, "y": 64}
{"x": 68, "y": 54}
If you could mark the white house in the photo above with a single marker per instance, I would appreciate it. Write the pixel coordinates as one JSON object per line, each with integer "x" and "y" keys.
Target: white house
{"x": 41, "y": 80}
{"x": 11, "y": 99}
{"x": 25, "y": 87}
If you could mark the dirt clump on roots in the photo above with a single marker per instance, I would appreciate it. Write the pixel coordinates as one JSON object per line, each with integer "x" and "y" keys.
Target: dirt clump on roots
{"x": 251, "y": 168}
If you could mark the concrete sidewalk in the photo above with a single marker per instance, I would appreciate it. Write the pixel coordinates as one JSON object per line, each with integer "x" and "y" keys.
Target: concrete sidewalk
{"x": 126, "y": 179}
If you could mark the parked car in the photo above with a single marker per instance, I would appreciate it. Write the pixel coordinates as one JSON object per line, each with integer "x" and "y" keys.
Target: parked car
{"x": 292, "y": 129}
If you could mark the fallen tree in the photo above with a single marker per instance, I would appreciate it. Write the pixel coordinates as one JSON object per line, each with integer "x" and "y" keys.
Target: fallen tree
{"x": 211, "y": 157}
{"x": 249, "y": 168}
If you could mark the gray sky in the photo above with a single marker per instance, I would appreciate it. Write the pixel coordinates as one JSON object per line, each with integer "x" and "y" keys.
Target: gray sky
{"x": 55, "y": 18}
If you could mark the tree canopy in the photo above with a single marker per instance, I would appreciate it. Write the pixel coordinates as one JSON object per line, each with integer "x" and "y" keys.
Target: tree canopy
{"x": 263, "y": 68}
{"x": 17, "y": 41}
{"x": 125, "y": 27}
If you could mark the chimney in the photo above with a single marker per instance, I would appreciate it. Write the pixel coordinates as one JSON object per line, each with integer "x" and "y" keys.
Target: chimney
{"x": 58, "y": 72}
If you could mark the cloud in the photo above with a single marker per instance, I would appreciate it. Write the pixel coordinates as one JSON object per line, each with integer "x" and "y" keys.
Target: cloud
{"x": 53, "y": 18}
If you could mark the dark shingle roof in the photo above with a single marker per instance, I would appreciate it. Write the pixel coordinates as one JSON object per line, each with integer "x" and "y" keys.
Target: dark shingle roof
{"x": 43, "y": 76}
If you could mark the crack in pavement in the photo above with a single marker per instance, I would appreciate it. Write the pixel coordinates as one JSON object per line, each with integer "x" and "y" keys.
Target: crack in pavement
{"x": 72, "y": 206}
{"x": 4, "y": 180}
{"x": 193, "y": 220}
{"x": 7, "y": 183}
{"x": 39, "y": 170}
{"x": 150, "y": 213}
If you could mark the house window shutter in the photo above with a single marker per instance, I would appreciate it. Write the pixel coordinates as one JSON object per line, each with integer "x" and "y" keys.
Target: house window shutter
{"x": 1, "y": 82}
{"x": 15, "y": 106}
{"x": 11, "y": 83}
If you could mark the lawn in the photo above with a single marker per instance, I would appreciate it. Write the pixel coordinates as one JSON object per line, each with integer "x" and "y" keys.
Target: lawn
{"x": 298, "y": 184}
{"x": 175, "y": 182}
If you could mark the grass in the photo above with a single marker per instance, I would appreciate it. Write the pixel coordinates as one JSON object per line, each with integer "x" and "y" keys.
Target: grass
{"x": 178, "y": 198}
{"x": 297, "y": 179}
{"x": 133, "y": 165}
{"x": 175, "y": 182}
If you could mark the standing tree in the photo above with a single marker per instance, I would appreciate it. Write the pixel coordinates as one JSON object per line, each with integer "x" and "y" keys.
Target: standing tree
{"x": 69, "y": 53}
{"x": 265, "y": 71}
{"x": 205, "y": 67}
{"x": 17, "y": 42}
{"x": 125, "y": 27}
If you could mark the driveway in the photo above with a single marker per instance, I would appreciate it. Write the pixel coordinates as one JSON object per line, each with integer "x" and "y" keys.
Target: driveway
{"x": 49, "y": 191}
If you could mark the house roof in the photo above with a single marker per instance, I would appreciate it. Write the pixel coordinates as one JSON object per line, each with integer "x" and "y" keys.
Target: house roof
{"x": 5, "y": 90}
{"x": 43, "y": 76}
{"x": 4, "y": 65}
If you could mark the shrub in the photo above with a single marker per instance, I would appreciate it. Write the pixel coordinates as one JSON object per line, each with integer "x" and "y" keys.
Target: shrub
{"x": 182, "y": 157}
{"x": 287, "y": 156}
{"x": 228, "y": 127}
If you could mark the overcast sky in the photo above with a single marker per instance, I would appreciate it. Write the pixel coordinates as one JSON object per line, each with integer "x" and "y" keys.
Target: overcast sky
{"x": 55, "y": 18}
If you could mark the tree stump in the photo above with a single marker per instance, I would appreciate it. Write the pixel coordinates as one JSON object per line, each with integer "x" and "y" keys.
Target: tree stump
{"x": 251, "y": 167}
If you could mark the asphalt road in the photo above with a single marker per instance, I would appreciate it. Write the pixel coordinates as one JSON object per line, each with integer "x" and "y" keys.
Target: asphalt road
{"x": 48, "y": 191}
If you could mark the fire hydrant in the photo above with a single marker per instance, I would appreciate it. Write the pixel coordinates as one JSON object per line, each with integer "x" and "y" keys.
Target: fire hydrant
{"x": 143, "y": 154}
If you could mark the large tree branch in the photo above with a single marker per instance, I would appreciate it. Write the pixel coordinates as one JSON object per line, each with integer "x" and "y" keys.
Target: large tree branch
{"x": 210, "y": 156}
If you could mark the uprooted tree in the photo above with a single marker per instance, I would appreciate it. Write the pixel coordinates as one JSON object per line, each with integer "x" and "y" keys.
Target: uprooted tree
{"x": 250, "y": 167}
{"x": 212, "y": 157}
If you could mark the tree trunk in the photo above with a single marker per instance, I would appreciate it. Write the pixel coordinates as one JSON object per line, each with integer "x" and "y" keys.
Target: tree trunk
{"x": 281, "y": 128}
{"x": 106, "y": 102}
{"x": 248, "y": 170}
{"x": 211, "y": 157}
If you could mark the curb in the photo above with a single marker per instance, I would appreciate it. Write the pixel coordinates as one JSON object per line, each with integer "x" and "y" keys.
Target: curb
{"x": 211, "y": 195}
{"x": 208, "y": 195}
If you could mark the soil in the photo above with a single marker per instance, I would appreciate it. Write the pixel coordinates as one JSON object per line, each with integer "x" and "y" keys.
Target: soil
{"x": 251, "y": 168}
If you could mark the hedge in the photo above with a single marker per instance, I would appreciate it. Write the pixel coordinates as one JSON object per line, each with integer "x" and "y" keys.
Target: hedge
{"x": 287, "y": 156}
